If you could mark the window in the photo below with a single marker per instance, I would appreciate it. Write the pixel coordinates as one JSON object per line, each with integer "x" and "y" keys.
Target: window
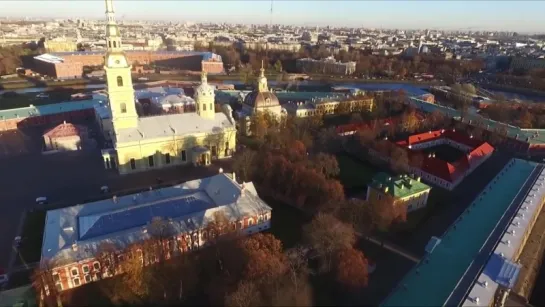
{"x": 96, "y": 266}
{"x": 133, "y": 164}
{"x": 183, "y": 155}
{"x": 250, "y": 222}
{"x": 211, "y": 107}
{"x": 150, "y": 161}
{"x": 214, "y": 151}
{"x": 123, "y": 108}
{"x": 74, "y": 272}
{"x": 56, "y": 277}
{"x": 167, "y": 158}
{"x": 87, "y": 278}
{"x": 85, "y": 269}
{"x": 76, "y": 282}
{"x": 59, "y": 286}
{"x": 204, "y": 107}
{"x": 119, "y": 81}
{"x": 115, "y": 45}
{"x": 109, "y": 44}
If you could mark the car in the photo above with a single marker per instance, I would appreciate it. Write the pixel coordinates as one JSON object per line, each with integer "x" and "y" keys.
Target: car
{"x": 41, "y": 200}
{"x": 4, "y": 278}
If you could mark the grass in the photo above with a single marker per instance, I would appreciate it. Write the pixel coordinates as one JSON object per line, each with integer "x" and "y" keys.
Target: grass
{"x": 32, "y": 236}
{"x": 354, "y": 173}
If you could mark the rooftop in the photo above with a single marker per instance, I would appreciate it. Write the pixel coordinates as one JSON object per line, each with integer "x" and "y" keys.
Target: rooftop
{"x": 125, "y": 219}
{"x": 433, "y": 280}
{"x": 531, "y": 136}
{"x": 66, "y": 129}
{"x": 154, "y": 127}
{"x": 398, "y": 186}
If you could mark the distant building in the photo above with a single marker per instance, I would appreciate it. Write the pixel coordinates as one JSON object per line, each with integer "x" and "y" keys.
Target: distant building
{"x": 326, "y": 66}
{"x": 73, "y": 236}
{"x": 526, "y": 63}
{"x": 60, "y": 45}
{"x": 69, "y": 65}
{"x": 65, "y": 137}
{"x": 401, "y": 190}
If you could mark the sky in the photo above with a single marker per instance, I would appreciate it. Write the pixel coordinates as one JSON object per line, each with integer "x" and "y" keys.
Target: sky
{"x": 519, "y": 16}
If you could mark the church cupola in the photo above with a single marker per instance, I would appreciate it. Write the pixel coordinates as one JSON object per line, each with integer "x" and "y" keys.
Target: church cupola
{"x": 205, "y": 99}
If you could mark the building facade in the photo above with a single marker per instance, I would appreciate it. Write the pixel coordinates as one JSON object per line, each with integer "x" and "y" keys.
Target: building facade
{"x": 74, "y": 237}
{"x": 401, "y": 190}
{"x": 326, "y": 66}
{"x": 145, "y": 143}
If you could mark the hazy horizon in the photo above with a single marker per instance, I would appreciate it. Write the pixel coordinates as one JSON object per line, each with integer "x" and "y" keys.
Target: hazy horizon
{"x": 517, "y": 16}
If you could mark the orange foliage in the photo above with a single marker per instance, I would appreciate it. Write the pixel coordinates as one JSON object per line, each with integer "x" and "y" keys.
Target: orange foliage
{"x": 352, "y": 269}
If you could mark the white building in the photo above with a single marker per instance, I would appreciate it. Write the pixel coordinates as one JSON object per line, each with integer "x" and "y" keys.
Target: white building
{"x": 73, "y": 236}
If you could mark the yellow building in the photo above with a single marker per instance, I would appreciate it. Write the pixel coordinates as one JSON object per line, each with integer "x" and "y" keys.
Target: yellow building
{"x": 152, "y": 142}
{"x": 399, "y": 190}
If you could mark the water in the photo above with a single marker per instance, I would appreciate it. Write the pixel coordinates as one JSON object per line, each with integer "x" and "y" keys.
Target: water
{"x": 513, "y": 95}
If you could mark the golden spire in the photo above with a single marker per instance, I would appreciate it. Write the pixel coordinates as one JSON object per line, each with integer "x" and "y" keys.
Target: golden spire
{"x": 262, "y": 70}
{"x": 203, "y": 77}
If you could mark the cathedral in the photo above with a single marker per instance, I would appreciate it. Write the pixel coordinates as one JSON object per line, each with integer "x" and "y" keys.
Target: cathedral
{"x": 140, "y": 144}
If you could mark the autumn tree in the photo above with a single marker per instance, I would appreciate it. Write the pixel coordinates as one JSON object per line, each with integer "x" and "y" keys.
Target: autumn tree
{"x": 326, "y": 235}
{"x": 243, "y": 164}
{"x": 351, "y": 269}
{"x": 258, "y": 125}
{"x": 328, "y": 141}
{"x": 326, "y": 164}
{"x": 246, "y": 295}
{"x": 399, "y": 161}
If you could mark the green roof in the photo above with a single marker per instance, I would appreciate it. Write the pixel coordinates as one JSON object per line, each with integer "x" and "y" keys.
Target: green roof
{"x": 431, "y": 282}
{"x": 399, "y": 186}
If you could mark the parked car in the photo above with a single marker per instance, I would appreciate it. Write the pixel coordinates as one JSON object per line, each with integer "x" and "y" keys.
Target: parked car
{"x": 41, "y": 200}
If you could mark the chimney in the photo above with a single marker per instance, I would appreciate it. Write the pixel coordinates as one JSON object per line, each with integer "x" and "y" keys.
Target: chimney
{"x": 418, "y": 178}
{"x": 385, "y": 189}
{"x": 220, "y": 170}
{"x": 64, "y": 122}
{"x": 114, "y": 199}
{"x": 75, "y": 246}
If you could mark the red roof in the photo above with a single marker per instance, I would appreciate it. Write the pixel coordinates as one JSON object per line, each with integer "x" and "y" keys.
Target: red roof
{"x": 443, "y": 169}
{"x": 65, "y": 130}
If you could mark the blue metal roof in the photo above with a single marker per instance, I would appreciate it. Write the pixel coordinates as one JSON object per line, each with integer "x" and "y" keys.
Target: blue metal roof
{"x": 102, "y": 224}
{"x": 206, "y": 55}
{"x": 502, "y": 270}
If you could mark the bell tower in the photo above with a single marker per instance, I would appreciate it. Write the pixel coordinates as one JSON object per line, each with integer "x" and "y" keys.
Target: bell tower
{"x": 262, "y": 80}
{"x": 118, "y": 76}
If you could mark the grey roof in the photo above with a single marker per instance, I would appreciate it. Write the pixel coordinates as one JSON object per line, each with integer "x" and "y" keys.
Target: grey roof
{"x": 153, "y": 127}
{"x": 124, "y": 221}
{"x": 258, "y": 99}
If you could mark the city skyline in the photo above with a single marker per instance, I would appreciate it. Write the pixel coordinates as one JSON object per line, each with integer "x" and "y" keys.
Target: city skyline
{"x": 448, "y": 15}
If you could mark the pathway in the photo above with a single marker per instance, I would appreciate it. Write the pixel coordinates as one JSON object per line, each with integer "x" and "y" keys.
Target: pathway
{"x": 391, "y": 247}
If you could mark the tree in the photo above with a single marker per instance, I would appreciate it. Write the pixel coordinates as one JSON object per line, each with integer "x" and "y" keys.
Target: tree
{"x": 327, "y": 235}
{"x": 246, "y": 295}
{"x": 278, "y": 66}
{"x": 328, "y": 140}
{"x": 243, "y": 164}
{"x": 410, "y": 121}
{"x": 399, "y": 160}
{"x": 526, "y": 119}
{"x": 469, "y": 88}
{"x": 326, "y": 164}
{"x": 258, "y": 125}
{"x": 351, "y": 269}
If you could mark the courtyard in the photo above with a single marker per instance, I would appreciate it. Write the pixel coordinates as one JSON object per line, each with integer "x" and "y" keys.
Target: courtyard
{"x": 444, "y": 152}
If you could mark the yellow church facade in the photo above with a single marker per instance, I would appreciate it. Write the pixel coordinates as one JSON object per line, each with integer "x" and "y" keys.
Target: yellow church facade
{"x": 146, "y": 143}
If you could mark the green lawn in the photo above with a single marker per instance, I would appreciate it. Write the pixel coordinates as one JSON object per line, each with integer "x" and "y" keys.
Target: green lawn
{"x": 355, "y": 173}
{"x": 32, "y": 236}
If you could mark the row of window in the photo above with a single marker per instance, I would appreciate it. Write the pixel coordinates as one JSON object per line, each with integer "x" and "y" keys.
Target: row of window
{"x": 115, "y": 44}
{"x": 204, "y": 106}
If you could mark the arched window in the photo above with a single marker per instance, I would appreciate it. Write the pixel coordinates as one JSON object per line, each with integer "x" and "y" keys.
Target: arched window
{"x": 204, "y": 106}
{"x": 123, "y": 107}
{"x": 115, "y": 44}
{"x": 119, "y": 81}
{"x": 109, "y": 44}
